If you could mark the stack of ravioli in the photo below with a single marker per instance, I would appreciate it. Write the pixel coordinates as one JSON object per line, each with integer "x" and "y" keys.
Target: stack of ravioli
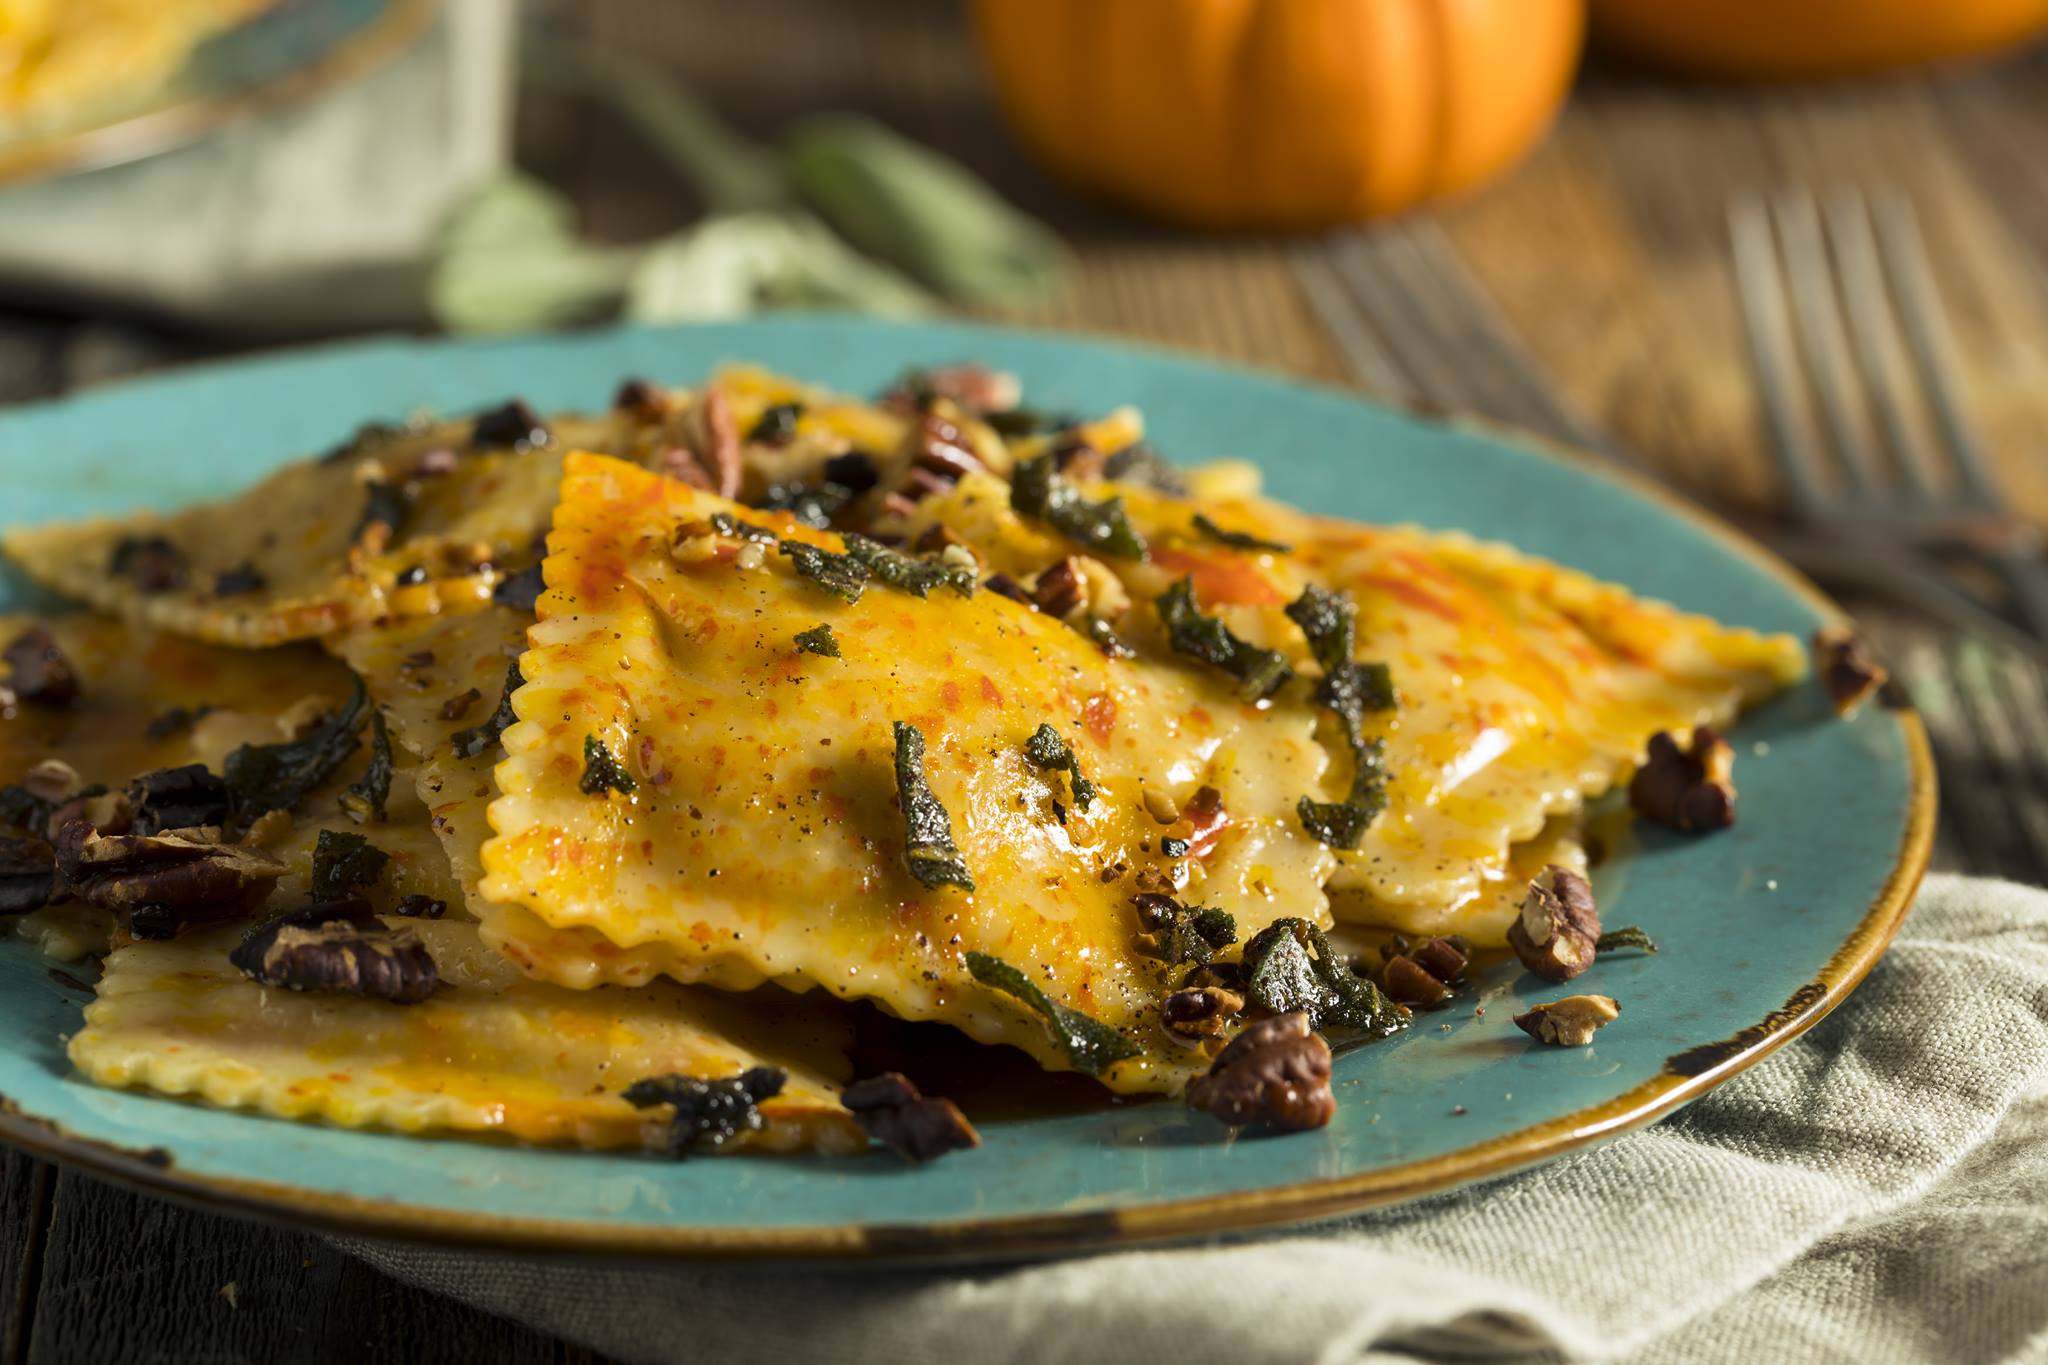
{"x": 674, "y": 737}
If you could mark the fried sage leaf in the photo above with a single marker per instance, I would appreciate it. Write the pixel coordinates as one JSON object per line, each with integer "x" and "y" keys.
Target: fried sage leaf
{"x": 1349, "y": 690}
{"x": 365, "y": 798}
{"x": 708, "y": 1114}
{"x": 1091, "y": 1045}
{"x": 1176, "y": 933}
{"x": 1037, "y": 490}
{"x": 1046, "y": 749}
{"x": 818, "y": 640}
{"x": 813, "y": 504}
{"x": 1237, "y": 540}
{"x": 482, "y": 738}
{"x": 1259, "y": 672}
{"x": 384, "y": 504}
{"x": 178, "y": 798}
{"x": 521, "y": 590}
{"x": 342, "y": 862}
{"x": 1626, "y": 937}
{"x": 928, "y": 848}
{"x": 1289, "y": 965}
{"x": 841, "y": 575}
{"x": 602, "y": 770}
{"x": 339, "y": 946}
{"x": 913, "y": 574}
{"x": 267, "y": 777}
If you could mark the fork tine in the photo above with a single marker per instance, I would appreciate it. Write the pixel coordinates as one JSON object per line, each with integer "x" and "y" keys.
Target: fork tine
{"x": 1429, "y": 358}
{"x": 1810, "y": 275}
{"x": 1875, "y": 332}
{"x": 1348, "y": 329}
{"x": 1905, "y": 256}
{"x": 1414, "y": 275}
{"x": 1762, "y": 291}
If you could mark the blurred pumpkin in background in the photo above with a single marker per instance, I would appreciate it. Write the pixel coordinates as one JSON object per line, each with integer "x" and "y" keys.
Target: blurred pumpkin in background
{"x": 1798, "y": 39}
{"x": 1279, "y": 114}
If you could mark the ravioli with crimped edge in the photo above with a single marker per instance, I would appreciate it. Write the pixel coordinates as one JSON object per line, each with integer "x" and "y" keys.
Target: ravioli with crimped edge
{"x": 753, "y": 825}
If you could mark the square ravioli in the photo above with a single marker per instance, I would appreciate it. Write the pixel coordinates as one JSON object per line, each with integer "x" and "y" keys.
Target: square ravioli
{"x": 701, "y": 789}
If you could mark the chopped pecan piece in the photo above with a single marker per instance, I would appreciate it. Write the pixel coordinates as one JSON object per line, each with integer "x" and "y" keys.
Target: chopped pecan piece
{"x": 339, "y": 946}
{"x": 1558, "y": 932}
{"x": 457, "y": 705}
{"x": 939, "y": 537}
{"x": 1060, "y": 590}
{"x": 1276, "y": 1074}
{"x": 28, "y": 874}
{"x": 719, "y": 448}
{"x": 243, "y": 578}
{"x": 1570, "y": 1022}
{"x": 1002, "y": 585}
{"x": 37, "y": 670}
{"x": 1077, "y": 459}
{"x": 152, "y": 563}
{"x": 177, "y": 798}
{"x": 417, "y": 906}
{"x": 1690, "y": 789}
{"x": 890, "y": 1109}
{"x": 974, "y": 387}
{"x": 1202, "y": 821}
{"x": 53, "y": 782}
{"x": 510, "y": 424}
{"x": 188, "y": 874}
{"x": 1443, "y": 958}
{"x": 641, "y": 398}
{"x": 1847, "y": 668}
{"x": 939, "y": 446}
{"x": 1422, "y": 974}
{"x": 1199, "y": 1012}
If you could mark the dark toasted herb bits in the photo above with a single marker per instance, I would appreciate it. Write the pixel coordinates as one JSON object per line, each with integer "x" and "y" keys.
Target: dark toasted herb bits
{"x": 928, "y": 849}
{"x": 23, "y": 809}
{"x": 1259, "y": 672}
{"x": 1290, "y": 965}
{"x": 268, "y": 777}
{"x": 732, "y": 528}
{"x": 1141, "y": 464}
{"x": 28, "y": 874}
{"x": 176, "y": 720}
{"x": 1690, "y": 788}
{"x": 366, "y": 438}
{"x": 818, "y": 640}
{"x": 1047, "y": 749}
{"x": 366, "y": 796}
{"x": 412, "y": 577}
{"x": 1340, "y": 824}
{"x": 841, "y": 575}
{"x": 1275, "y": 1074}
{"x": 890, "y": 1109}
{"x": 521, "y": 590}
{"x": 914, "y": 575}
{"x": 1627, "y": 938}
{"x": 1237, "y": 540}
{"x": 1038, "y": 491}
{"x": 338, "y": 946}
{"x": 708, "y": 1114}
{"x": 417, "y": 906}
{"x": 151, "y": 563}
{"x": 344, "y": 862}
{"x": 178, "y": 798}
{"x": 386, "y": 505}
{"x": 1557, "y": 933}
{"x": 1091, "y": 1045}
{"x": 854, "y": 471}
{"x": 37, "y": 669}
{"x": 511, "y": 424}
{"x": 1107, "y": 640}
{"x": 479, "y": 739}
{"x": 1176, "y": 933}
{"x": 777, "y": 424}
{"x": 185, "y": 875}
{"x": 1002, "y": 585}
{"x": 602, "y": 771}
{"x": 1170, "y": 847}
{"x": 243, "y": 578}
{"x": 812, "y": 504}
{"x": 642, "y": 398}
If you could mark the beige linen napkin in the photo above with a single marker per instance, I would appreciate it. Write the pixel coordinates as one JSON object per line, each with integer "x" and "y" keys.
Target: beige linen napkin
{"x": 318, "y": 218}
{"x": 1875, "y": 1191}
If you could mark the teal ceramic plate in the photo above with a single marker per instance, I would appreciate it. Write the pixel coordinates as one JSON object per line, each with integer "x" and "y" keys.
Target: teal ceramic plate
{"x": 1764, "y": 928}
{"x": 289, "y": 54}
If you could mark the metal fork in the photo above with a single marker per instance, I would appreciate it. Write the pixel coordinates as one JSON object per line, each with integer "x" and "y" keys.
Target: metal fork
{"x": 1844, "y": 322}
{"x": 1415, "y": 327}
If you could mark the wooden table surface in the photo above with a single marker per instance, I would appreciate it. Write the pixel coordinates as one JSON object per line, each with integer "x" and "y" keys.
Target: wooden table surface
{"x": 1606, "y": 254}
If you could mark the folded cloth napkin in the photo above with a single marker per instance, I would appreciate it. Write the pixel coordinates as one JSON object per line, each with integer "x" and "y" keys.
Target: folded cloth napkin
{"x": 317, "y": 218}
{"x": 1875, "y": 1191}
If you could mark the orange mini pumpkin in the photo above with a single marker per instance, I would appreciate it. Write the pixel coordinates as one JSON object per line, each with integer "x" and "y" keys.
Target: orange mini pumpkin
{"x": 1279, "y": 113}
{"x": 1799, "y": 39}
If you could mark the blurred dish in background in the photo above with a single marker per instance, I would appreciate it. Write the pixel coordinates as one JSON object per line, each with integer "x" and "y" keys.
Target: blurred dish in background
{"x": 1772, "y": 40}
{"x": 1280, "y": 114}
{"x": 87, "y": 83}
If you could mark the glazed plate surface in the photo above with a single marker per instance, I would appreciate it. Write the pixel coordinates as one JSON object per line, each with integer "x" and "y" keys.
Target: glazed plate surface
{"x": 1763, "y": 928}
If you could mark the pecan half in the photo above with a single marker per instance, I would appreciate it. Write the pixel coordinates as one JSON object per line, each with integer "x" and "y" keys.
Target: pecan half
{"x": 1847, "y": 668}
{"x": 890, "y": 1109}
{"x": 28, "y": 874}
{"x": 1423, "y": 974}
{"x": 1200, "y": 1012}
{"x": 177, "y": 798}
{"x": 339, "y": 946}
{"x": 188, "y": 874}
{"x": 1691, "y": 788}
{"x": 1275, "y": 1074}
{"x": 38, "y": 670}
{"x": 1558, "y": 932}
{"x": 719, "y": 450}
{"x": 1570, "y": 1022}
